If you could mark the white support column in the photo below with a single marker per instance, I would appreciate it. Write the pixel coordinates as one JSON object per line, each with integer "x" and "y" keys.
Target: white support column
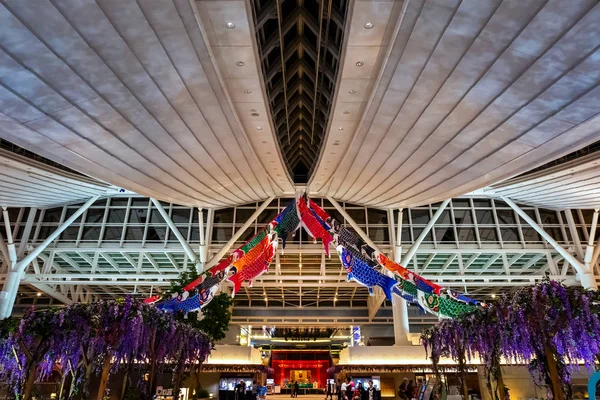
{"x": 186, "y": 247}
{"x": 589, "y": 249}
{"x": 399, "y": 305}
{"x": 26, "y": 232}
{"x": 203, "y": 245}
{"x": 17, "y": 270}
{"x": 586, "y": 277}
{"x": 574, "y": 234}
{"x": 413, "y": 249}
{"x": 217, "y": 257}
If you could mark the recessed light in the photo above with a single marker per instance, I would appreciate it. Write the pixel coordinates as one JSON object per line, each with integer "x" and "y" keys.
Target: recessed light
{"x": 39, "y": 294}
{"x": 231, "y": 25}
{"x": 247, "y": 91}
{"x": 340, "y": 129}
{"x": 369, "y": 25}
{"x": 346, "y": 112}
{"x": 258, "y": 128}
{"x": 352, "y": 91}
{"x": 254, "y": 114}
{"x": 359, "y": 63}
{"x": 240, "y": 63}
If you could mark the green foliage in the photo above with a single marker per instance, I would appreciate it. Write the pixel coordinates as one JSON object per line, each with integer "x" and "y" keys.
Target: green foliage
{"x": 215, "y": 316}
{"x": 202, "y": 394}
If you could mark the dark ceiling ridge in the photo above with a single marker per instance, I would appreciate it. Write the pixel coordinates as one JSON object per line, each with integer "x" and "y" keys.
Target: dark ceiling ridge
{"x": 300, "y": 43}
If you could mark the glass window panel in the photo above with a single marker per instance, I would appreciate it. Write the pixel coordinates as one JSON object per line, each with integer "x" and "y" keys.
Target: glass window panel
{"x": 581, "y": 235}
{"x": 509, "y": 234}
{"x": 377, "y": 216}
{"x": 358, "y": 215}
{"x": 195, "y": 234}
{"x": 247, "y": 235}
{"x": 530, "y": 235}
{"x": 156, "y": 234}
{"x": 116, "y": 216}
{"x": 45, "y": 232}
{"x": 460, "y": 203}
{"x": 138, "y": 215}
{"x": 180, "y": 215}
{"x": 463, "y": 217}
{"x": 183, "y": 231}
{"x": 134, "y": 233}
{"x": 242, "y": 215}
{"x": 118, "y": 202}
{"x": 334, "y": 214}
{"x": 139, "y": 202}
{"x": 419, "y": 217}
{"x": 548, "y": 217}
{"x": 221, "y": 235}
{"x": 445, "y": 235}
{"x": 466, "y": 234}
{"x": 484, "y": 217}
{"x": 101, "y": 202}
{"x": 53, "y": 215}
{"x": 482, "y": 203}
{"x": 428, "y": 237}
{"x": 500, "y": 204}
{"x": 506, "y": 217}
{"x": 406, "y": 236}
{"x": 224, "y": 216}
{"x": 70, "y": 233}
{"x": 587, "y": 216}
{"x": 94, "y": 216}
{"x": 114, "y": 234}
{"x": 488, "y": 235}
{"x": 555, "y": 234}
{"x": 155, "y": 217}
{"x": 91, "y": 233}
{"x": 445, "y": 218}
{"x": 379, "y": 234}
{"x": 267, "y": 216}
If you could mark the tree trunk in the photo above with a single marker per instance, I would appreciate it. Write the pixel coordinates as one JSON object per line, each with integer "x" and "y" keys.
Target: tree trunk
{"x": 502, "y": 392}
{"x": 462, "y": 378}
{"x": 104, "y": 377}
{"x": 178, "y": 379}
{"x": 126, "y": 379}
{"x": 555, "y": 383}
{"x": 29, "y": 382}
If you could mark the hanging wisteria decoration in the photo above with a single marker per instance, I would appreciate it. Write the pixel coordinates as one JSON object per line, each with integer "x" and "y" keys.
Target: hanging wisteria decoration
{"x": 549, "y": 327}
{"x": 82, "y": 340}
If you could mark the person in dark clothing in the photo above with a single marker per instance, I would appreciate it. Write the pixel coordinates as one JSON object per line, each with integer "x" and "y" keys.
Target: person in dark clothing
{"x": 359, "y": 392}
{"x": 296, "y": 389}
{"x": 349, "y": 389}
{"x": 402, "y": 389}
{"x": 409, "y": 390}
{"x": 371, "y": 393}
{"x": 330, "y": 390}
{"x": 240, "y": 391}
{"x": 338, "y": 389}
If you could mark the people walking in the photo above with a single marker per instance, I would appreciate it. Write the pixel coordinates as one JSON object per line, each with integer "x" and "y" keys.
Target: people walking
{"x": 338, "y": 389}
{"x": 330, "y": 390}
{"x": 296, "y": 389}
{"x": 402, "y": 389}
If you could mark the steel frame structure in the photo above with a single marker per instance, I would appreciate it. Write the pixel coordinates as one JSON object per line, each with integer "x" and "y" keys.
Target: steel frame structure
{"x": 122, "y": 245}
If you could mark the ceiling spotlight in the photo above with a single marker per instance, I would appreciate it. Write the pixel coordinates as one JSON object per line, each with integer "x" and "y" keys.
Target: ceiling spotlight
{"x": 247, "y": 91}
{"x": 352, "y": 91}
{"x": 359, "y": 63}
{"x": 493, "y": 295}
{"x": 368, "y": 25}
{"x": 39, "y": 294}
{"x": 231, "y": 25}
{"x": 240, "y": 63}
{"x": 258, "y": 128}
{"x": 340, "y": 128}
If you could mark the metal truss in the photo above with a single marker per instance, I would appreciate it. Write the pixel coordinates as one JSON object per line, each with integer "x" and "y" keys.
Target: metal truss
{"x": 97, "y": 257}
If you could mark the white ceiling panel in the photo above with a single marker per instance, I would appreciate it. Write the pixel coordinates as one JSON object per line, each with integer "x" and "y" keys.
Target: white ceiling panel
{"x": 131, "y": 93}
{"x": 28, "y": 183}
{"x": 470, "y": 93}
